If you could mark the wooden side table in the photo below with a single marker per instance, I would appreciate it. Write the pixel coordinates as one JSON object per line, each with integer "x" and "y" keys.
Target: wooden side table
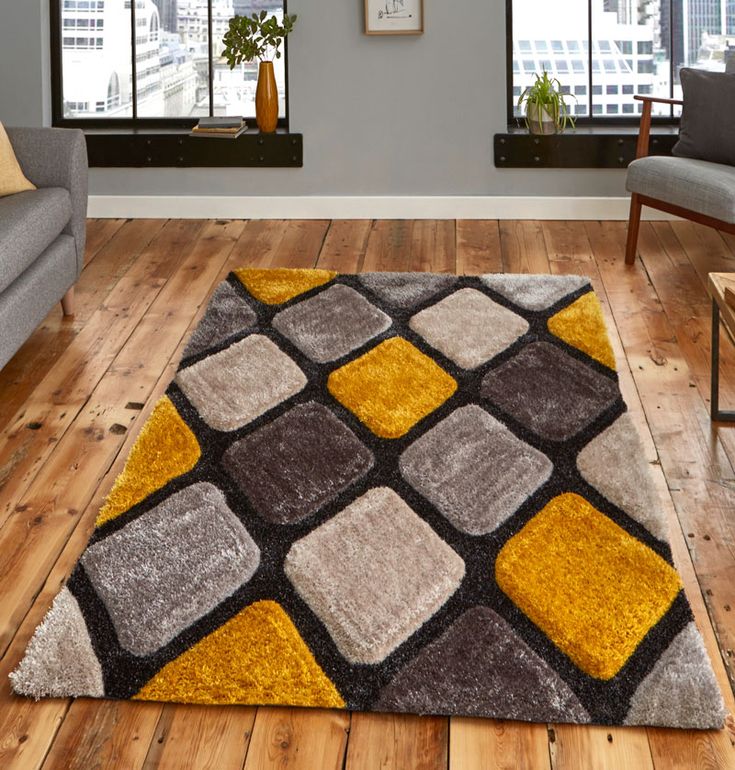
{"x": 721, "y": 288}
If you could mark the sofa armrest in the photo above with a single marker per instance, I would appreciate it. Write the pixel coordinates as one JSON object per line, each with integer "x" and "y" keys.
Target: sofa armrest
{"x": 57, "y": 157}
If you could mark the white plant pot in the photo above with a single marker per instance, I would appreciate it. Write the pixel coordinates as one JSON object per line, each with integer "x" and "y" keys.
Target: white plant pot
{"x": 547, "y": 124}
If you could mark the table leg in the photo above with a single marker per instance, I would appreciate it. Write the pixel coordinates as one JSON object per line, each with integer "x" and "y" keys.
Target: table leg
{"x": 716, "y": 413}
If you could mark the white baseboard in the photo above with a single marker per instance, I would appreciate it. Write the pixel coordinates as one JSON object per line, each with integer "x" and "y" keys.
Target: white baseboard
{"x": 347, "y": 207}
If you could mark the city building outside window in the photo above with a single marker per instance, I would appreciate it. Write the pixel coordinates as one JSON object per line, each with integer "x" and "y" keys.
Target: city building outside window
{"x": 619, "y": 48}
{"x": 171, "y": 68}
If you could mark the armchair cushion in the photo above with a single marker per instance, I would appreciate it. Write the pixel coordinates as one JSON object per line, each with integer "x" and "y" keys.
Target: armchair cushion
{"x": 57, "y": 157}
{"x": 29, "y": 223}
{"x": 708, "y": 117}
{"x": 695, "y": 185}
{"x": 12, "y": 179}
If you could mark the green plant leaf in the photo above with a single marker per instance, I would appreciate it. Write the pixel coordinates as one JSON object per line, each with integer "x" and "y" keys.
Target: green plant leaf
{"x": 255, "y": 37}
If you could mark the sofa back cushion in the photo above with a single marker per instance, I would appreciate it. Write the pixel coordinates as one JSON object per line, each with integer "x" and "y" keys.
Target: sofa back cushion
{"x": 708, "y": 118}
{"x": 12, "y": 178}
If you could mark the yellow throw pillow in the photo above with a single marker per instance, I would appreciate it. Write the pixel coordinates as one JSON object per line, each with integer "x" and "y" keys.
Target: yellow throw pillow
{"x": 12, "y": 179}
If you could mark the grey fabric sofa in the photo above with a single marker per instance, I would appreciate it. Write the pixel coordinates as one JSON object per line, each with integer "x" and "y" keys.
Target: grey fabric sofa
{"x": 42, "y": 232}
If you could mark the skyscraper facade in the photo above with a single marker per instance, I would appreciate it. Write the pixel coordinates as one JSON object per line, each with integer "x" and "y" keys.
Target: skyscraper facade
{"x": 246, "y": 7}
{"x": 700, "y": 17}
{"x": 168, "y": 10}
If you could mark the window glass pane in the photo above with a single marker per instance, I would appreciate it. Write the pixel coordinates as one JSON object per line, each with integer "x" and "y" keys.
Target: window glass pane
{"x": 96, "y": 59}
{"x": 172, "y": 58}
{"x": 234, "y": 90}
{"x": 704, "y": 37}
{"x": 538, "y": 23}
{"x": 630, "y": 54}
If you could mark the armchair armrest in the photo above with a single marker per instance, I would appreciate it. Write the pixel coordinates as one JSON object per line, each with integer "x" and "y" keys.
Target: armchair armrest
{"x": 57, "y": 157}
{"x": 659, "y": 99}
{"x": 644, "y": 136}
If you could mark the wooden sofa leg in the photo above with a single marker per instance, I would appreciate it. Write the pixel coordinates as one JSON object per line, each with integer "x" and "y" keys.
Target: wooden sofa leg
{"x": 67, "y": 302}
{"x": 634, "y": 224}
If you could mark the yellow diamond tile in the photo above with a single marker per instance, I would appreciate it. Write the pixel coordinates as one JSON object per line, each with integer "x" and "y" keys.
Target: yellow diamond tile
{"x": 257, "y": 657}
{"x": 582, "y": 326}
{"x": 166, "y": 448}
{"x": 592, "y": 588}
{"x": 391, "y": 387}
{"x": 277, "y": 285}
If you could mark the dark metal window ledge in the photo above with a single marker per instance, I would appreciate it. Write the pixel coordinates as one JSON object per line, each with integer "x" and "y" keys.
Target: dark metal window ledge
{"x": 171, "y": 147}
{"x": 584, "y": 147}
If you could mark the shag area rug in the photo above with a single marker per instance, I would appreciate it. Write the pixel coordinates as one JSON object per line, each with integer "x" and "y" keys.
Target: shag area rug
{"x": 390, "y": 492}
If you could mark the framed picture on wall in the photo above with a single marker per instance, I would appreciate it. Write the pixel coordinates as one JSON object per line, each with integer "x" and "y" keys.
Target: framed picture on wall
{"x": 394, "y": 17}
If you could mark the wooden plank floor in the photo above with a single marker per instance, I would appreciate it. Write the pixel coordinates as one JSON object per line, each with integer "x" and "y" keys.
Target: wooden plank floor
{"x": 74, "y": 397}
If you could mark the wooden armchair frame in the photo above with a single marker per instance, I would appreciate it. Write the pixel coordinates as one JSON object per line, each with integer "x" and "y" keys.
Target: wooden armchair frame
{"x": 638, "y": 201}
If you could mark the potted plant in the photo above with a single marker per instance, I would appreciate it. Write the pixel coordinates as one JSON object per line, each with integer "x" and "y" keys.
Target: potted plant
{"x": 546, "y": 109}
{"x": 258, "y": 38}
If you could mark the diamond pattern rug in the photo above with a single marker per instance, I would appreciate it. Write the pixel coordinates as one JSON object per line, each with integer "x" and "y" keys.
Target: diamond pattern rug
{"x": 399, "y": 492}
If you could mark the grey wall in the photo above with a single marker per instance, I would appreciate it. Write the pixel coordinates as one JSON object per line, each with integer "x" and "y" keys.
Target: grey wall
{"x": 24, "y": 63}
{"x": 380, "y": 115}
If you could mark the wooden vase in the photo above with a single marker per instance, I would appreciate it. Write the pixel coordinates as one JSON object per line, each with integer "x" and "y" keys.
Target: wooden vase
{"x": 266, "y": 99}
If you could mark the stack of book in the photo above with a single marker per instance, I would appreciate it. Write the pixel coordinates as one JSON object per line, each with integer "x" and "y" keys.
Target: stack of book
{"x": 220, "y": 127}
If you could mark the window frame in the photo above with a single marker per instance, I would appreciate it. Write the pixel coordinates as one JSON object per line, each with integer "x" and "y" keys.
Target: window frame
{"x": 141, "y": 123}
{"x": 591, "y": 120}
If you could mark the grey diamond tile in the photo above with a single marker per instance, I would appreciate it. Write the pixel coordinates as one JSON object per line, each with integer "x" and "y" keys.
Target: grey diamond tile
{"x": 474, "y": 470}
{"x": 534, "y": 292}
{"x": 469, "y": 328}
{"x": 298, "y": 463}
{"x": 373, "y": 574}
{"x": 549, "y": 392}
{"x": 332, "y": 324}
{"x": 227, "y": 314}
{"x": 171, "y": 566}
{"x": 406, "y": 290}
{"x": 235, "y": 386}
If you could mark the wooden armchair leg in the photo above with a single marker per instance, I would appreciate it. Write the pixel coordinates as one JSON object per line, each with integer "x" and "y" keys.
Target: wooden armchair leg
{"x": 67, "y": 302}
{"x": 634, "y": 224}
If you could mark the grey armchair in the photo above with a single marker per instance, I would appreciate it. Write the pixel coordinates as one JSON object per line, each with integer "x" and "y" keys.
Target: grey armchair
{"x": 697, "y": 190}
{"x": 42, "y": 232}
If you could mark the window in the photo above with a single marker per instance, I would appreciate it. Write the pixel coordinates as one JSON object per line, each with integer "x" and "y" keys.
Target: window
{"x": 618, "y": 48}
{"x": 171, "y": 71}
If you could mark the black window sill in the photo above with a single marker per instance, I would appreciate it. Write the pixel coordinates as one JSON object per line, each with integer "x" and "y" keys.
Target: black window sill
{"x": 173, "y": 147}
{"x": 582, "y": 147}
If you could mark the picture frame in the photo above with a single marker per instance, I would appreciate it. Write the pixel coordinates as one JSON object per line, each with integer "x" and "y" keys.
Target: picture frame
{"x": 394, "y": 17}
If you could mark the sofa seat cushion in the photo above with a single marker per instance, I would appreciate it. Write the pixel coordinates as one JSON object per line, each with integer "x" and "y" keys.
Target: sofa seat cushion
{"x": 696, "y": 185}
{"x": 29, "y": 223}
